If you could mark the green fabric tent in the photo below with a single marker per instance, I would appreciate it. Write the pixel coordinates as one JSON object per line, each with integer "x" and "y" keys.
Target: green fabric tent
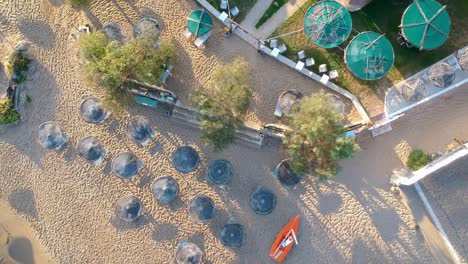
{"x": 327, "y": 24}
{"x": 369, "y": 56}
{"x": 425, "y": 24}
{"x": 199, "y": 22}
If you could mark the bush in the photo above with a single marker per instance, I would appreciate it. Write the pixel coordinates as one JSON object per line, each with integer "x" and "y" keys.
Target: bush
{"x": 8, "y": 114}
{"x": 272, "y": 9}
{"x": 417, "y": 159}
{"x": 18, "y": 64}
{"x": 78, "y": 3}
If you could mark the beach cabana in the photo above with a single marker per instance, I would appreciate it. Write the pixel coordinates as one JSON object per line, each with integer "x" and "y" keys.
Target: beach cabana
{"x": 201, "y": 209}
{"x": 50, "y": 136}
{"x": 147, "y": 27}
{"x": 220, "y": 172}
{"x": 91, "y": 149}
{"x": 139, "y": 130}
{"x": 327, "y": 24}
{"x": 425, "y": 24}
{"x": 413, "y": 90}
{"x": 233, "y": 234}
{"x": 369, "y": 56}
{"x": 463, "y": 60}
{"x": 286, "y": 101}
{"x": 188, "y": 253}
{"x": 165, "y": 189}
{"x": 441, "y": 75}
{"x": 286, "y": 176}
{"x": 199, "y": 22}
{"x": 262, "y": 200}
{"x": 125, "y": 165}
{"x": 91, "y": 111}
{"x": 128, "y": 208}
{"x": 185, "y": 159}
{"x": 353, "y": 5}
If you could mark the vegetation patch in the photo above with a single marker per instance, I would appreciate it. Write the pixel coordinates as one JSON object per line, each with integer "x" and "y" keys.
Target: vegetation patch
{"x": 78, "y": 3}
{"x": 243, "y": 5}
{"x": 18, "y": 65}
{"x": 275, "y": 6}
{"x": 418, "y": 159}
{"x": 8, "y": 113}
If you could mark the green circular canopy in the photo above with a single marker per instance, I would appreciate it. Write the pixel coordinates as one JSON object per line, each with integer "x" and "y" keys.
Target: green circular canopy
{"x": 425, "y": 24}
{"x": 199, "y": 22}
{"x": 327, "y": 24}
{"x": 369, "y": 56}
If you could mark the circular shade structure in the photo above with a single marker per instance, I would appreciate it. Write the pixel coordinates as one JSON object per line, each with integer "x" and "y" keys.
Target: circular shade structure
{"x": 185, "y": 159}
{"x": 286, "y": 175}
{"x": 139, "y": 130}
{"x": 189, "y": 253}
{"x": 92, "y": 112}
{"x": 441, "y": 75}
{"x": 201, "y": 209}
{"x": 125, "y": 165}
{"x": 165, "y": 189}
{"x": 327, "y": 24}
{"x": 369, "y": 56}
{"x": 50, "y": 136}
{"x": 262, "y": 200}
{"x": 353, "y": 5}
{"x": 113, "y": 32}
{"x": 287, "y": 99}
{"x": 128, "y": 208}
{"x": 146, "y": 27}
{"x": 413, "y": 90}
{"x": 425, "y": 24}
{"x": 220, "y": 172}
{"x": 463, "y": 60}
{"x": 233, "y": 235}
{"x": 90, "y": 149}
{"x": 199, "y": 22}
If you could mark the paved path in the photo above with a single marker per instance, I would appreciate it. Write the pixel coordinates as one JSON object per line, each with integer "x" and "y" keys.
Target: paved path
{"x": 274, "y": 22}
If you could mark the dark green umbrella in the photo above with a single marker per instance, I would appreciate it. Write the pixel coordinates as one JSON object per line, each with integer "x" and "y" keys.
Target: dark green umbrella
{"x": 129, "y": 208}
{"x": 233, "y": 235}
{"x": 199, "y": 22}
{"x": 165, "y": 189}
{"x": 201, "y": 209}
{"x": 220, "y": 172}
{"x": 50, "y": 136}
{"x": 189, "y": 253}
{"x": 262, "y": 200}
{"x": 91, "y": 111}
{"x": 185, "y": 159}
{"x": 90, "y": 149}
{"x": 286, "y": 175}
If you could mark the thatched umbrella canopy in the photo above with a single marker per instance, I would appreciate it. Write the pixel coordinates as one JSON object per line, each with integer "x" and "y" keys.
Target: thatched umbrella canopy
{"x": 50, "y": 136}
{"x": 463, "y": 61}
{"x": 189, "y": 253}
{"x": 113, "y": 32}
{"x": 441, "y": 74}
{"x": 414, "y": 90}
{"x": 91, "y": 111}
{"x": 185, "y": 159}
{"x": 354, "y": 5}
{"x": 139, "y": 130}
{"x": 147, "y": 27}
{"x": 286, "y": 175}
{"x": 287, "y": 99}
{"x": 201, "y": 209}
{"x": 125, "y": 165}
{"x": 220, "y": 172}
{"x": 165, "y": 189}
{"x": 90, "y": 149}
{"x": 233, "y": 235}
{"x": 262, "y": 200}
{"x": 128, "y": 208}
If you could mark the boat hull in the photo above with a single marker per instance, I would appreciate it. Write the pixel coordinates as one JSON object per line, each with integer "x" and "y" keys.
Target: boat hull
{"x": 280, "y": 255}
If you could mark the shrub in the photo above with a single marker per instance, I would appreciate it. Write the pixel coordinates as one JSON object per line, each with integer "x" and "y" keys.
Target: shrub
{"x": 18, "y": 64}
{"x": 417, "y": 159}
{"x": 8, "y": 114}
{"x": 78, "y": 3}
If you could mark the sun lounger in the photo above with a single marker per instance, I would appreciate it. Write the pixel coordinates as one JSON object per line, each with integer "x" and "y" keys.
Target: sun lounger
{"x": 187, "y": 33}
{"x": 224, "y": 4}
{"x": 322, "y": 68}
{"x": 324, "y": 79}
{"x": 235, "y": 11}
{"x": 301, "y": 55}
{"x": 273, "y": 43}
{"x": 300, "y": 65}
{"x": 282, "y": 48}
{"x": 310, "y": 62}
{"x": 333, "y": 74}
{"x": 223, "y": 16}
{"x": 199, "y": 42}
{"x": 275, "y": 52}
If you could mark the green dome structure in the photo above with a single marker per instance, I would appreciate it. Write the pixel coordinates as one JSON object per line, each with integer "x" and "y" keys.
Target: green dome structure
{"x": 199, "y": 22}
{"x": 369, "y": 56}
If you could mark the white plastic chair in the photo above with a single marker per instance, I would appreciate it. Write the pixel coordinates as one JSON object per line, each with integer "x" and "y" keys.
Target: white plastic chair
{"x": 223, "y": 16}
{"x": 300, "y": 65}
{"x": 301, "y": 55}
{"x": 324, "y": 79}
{"x": 235, "y": 11}
{"x": 201, "y": 40}
{"x": 187, "y": 33}
{"x": 322, "y": 68}
{"x": 275, "y": 52}
{"x": 310, "y": 62}
{"x": 224, "y": 4}
{"x": 333, "y": 74}
{"x": 282, "y": 48}
{"x": 273, "y": 43}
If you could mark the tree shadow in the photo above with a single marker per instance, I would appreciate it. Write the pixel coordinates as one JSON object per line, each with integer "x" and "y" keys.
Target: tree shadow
{"x": 165, "y": 232}
{"x": 35, "y": 30}
{"x": 21, "y": 251}
{"x": 24, "y": 202}
{"x": 329, "y": 203}
{"x": 57, "y": 3}
{"x": 182, "y": 77}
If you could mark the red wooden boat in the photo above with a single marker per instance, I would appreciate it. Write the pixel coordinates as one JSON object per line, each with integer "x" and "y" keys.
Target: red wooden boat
{"x": 285, "y": 240}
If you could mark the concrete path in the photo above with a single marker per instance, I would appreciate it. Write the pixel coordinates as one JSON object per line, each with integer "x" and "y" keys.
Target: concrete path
{"x": 274, "y": 22}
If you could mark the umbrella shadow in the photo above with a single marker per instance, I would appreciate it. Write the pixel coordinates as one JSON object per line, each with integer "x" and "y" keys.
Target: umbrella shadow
{"x": 121, "y": 225}
{"x": 165, "y": 232}
{"x": 156, "y": 148}
{"x": 70, "y": 152}
{"x": 24, "y": 202}
{"x": 329, "y": 203}
{"x": 182, "y": 76}
{"x": 91, "y": 17}
{"x": 21, "y": 251}
{"x": 123, "y": 11}
{"x": 177, "y": 204}
{"x": 34, "y": 30}
{"x": 57, "y": 3}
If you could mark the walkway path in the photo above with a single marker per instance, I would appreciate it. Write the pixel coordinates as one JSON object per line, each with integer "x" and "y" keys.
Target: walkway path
{"x": 274, "y": 22}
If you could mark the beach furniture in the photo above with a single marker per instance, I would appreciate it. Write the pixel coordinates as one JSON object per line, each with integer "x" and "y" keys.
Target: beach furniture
{"x": 441, "y": 75}
{"x": 223, "y": 16}
{"x": 285, "y": 102}
{"x": 273, "y": 43}
{"x": 128, "y": 208}
{"x": 301, "y": 55}
{"x": 463, "y": 60}
{"x": 224, "y": 4}
{"x": 148, "y": 28}
{"x": 126, "y": 165}
{"x": 113, "y": 32}
{"x": 324, "y": 79}
{"x": 139, "y": 130}
{"x": 285, "y": 175}
{"x": 310, "y": 62}
{"x": 201, "y": 209}
{"x": 235, "y": 11}
{"x": 146, "y": 101}
{"x": 262, "y": 200}
{"x": 86, "y": 29}
{"x": 91, "y": 111}
{"x": 91, "y": 150}
{"x": 165, "y": 189}
{"x": 200, "y": 41}
{"x": 185, "y": 159}
{"x": 219, "y": 172}
{"x": 333, "y": 74}
{"x": 166, "y": 74}
{"x": 300, "y": 65}
{"x": 188, "y": 253}
{"x": 323, "y": 68}
{"x": 275, "y": 52}
{"x": 199, "y": 22}
{"x": 50, "y": 136}
{"x": 285, "y": 240}
{"x": 413, "y": 90}
{"x": 232, "y": 234}
{"x": 282, "y": 48}
{"x": 187, "y": 33}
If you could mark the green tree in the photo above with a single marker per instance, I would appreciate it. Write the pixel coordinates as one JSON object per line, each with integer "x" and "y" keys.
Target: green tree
{"x": 224, "y": 103}
{"x": 78, "y": 3}
{"x": 417, "y": 159}
{"x": 315, "y": 143}
{"x": 8, "y": 114}
{"x": 18, "y": 63}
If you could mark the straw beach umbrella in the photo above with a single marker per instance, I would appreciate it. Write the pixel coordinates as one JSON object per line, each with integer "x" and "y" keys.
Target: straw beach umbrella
{"x": 414, "y": 90}
{"x": 220, "y": 172}
{"x": 199, "y": 22}
{"x": 50, "y": 136}
{"x": 125, "y": 165}
{"x": 113, "y": 32}
{"x": 128, "y": 208}
{"x": 353, "y": 5}
{"x": 425, "y": 24}
{"x": 463, "y": 61}
{"x": 147, "y": 27}
{"x": 90, "y": 149}
{"x": 232, "y": 235}
{"x": 441, "y": 75}
{"x": 188, "y": 253}
{"x": 201, "y": 209}
{"x": 288, "y": 99}
{"x": 262, "y": 200}
{"x": 91, "y": 111}
{"x": 369, "y": 56}
{"x": 286, "y": 176}
{"x": 165, "y": 189}
{"x": 185, "y": 159}
{"x": 327, "y": 24}
{"x": 139, "y": 130}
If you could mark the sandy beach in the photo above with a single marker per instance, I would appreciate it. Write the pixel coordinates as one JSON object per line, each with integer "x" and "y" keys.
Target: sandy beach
{"x": 353, "y": 218}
